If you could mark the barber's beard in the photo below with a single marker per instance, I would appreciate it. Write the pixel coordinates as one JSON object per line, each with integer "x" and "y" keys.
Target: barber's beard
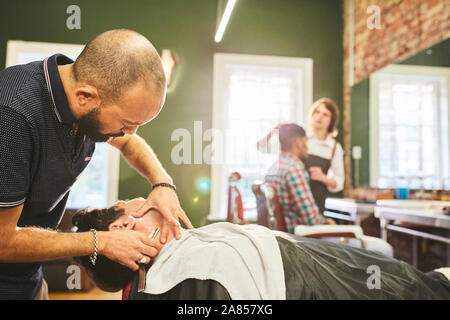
{"x": 89, "y": 125}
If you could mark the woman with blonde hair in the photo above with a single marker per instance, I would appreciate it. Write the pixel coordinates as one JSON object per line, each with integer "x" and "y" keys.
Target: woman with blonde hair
{"x": 325, "y": 162}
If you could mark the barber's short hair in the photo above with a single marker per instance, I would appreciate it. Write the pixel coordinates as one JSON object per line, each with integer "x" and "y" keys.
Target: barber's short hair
{"x": 108, "y": 275}
{"x": 287, "y": 134}
{"x": 117, "y": 59}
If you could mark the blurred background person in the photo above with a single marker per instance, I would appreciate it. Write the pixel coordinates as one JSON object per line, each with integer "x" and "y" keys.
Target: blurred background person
{"x": 290, "y": 179}
{"x": 325, "y": 161}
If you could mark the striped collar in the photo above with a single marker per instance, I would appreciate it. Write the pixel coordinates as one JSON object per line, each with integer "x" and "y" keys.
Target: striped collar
{"x": 55, "y": 88}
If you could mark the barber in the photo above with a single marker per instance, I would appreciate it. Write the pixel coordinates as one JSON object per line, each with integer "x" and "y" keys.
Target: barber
{"x": 325, "y": 161}
{"x": 52, "y": 113}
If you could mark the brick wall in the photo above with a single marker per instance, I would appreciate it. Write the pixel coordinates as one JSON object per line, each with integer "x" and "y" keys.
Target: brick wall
{"x": 407, "y": 27}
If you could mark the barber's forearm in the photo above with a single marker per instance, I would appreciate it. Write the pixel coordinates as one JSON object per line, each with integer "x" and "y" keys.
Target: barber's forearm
{"x": 330, "y": 183}
{"x": 141, "y": 157}
{"x": 36, "y": 244}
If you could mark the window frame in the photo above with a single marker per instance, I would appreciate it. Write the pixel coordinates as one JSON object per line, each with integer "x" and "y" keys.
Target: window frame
{"x": 219, "y": 182}
{"x": 15, "y": 47}
{"x": 402, "y": 70}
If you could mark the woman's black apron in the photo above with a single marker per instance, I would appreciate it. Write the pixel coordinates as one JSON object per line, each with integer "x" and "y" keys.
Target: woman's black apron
{"x": 319, "y": 189}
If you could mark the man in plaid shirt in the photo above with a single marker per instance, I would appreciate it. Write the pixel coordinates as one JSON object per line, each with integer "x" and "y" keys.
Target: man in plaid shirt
{"x": 291, "y": 180}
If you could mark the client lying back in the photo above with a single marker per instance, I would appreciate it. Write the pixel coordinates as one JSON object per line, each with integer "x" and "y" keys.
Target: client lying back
{"x": 228, "y": 261}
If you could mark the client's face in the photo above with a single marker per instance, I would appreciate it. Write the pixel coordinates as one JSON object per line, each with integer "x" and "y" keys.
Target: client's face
{"x": 145, "y": 224}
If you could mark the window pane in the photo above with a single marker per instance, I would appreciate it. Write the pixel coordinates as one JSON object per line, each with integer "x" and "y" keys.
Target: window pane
{"x": 408, "y": 131}
{"x": 257, "y": 99}
{"x": 91, "y": 188}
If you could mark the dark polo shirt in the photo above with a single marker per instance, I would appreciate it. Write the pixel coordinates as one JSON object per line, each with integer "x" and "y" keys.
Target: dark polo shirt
{"x": 40, "y": 158}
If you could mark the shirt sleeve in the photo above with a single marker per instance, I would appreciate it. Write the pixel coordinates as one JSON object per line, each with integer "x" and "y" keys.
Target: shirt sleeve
{"x": 16, "y": 148}
{"x": 336, "y": 171}
{"x": 302, "y": 198}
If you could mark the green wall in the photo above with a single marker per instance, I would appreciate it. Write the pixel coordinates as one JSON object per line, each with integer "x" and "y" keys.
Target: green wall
{"x": 360, "y": 128}
{"x": 299, "y": 28}
{"x": 437, "y": 56}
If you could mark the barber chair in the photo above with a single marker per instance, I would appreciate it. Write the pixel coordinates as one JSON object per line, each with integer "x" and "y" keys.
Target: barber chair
{"x": 270, "y": 215}
{"x": 235, "y": 210}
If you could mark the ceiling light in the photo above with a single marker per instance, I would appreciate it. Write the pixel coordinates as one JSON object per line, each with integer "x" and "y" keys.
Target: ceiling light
{"x": 224, "y": 21}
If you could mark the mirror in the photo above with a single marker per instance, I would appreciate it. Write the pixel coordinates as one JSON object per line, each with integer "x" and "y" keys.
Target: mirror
{"x": 400, "y": 123}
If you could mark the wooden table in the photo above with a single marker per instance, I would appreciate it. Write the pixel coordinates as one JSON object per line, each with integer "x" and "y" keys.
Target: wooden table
{"x": 388, "y": 215}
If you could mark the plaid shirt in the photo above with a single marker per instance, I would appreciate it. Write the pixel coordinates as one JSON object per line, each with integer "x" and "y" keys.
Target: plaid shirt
{"x": 291, "y": 181}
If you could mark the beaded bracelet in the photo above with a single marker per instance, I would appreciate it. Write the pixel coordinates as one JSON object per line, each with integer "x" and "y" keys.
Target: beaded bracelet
{"x": 93, "y": 257}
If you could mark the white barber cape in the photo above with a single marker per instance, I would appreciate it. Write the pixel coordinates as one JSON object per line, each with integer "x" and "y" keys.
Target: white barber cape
{"x": 244, "y": 259}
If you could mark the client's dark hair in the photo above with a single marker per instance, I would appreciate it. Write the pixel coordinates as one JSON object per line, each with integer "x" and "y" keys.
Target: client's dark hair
{"x": 108, "y": 275}
{"x": 287, "y": 133}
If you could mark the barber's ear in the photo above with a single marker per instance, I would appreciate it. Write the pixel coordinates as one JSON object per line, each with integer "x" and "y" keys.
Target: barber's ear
{"x": 87, "y": 95}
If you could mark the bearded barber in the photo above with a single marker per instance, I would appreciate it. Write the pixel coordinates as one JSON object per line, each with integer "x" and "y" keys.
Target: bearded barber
{"x": 52, "y": 113}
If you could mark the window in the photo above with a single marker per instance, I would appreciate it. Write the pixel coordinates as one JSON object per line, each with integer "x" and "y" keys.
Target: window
{"x": 98, "y": 184}
{"x": 252, "y": 94}
{"x": 409, "y": 127}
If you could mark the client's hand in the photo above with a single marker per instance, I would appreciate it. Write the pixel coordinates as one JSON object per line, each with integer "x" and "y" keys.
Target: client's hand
{"x": 127, "y": 247}
{"x": 165, "y": 200}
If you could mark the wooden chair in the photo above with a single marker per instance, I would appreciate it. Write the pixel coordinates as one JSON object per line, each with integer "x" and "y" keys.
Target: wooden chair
{"x": 270, "y": 215}
{"x": 268, "y": 206}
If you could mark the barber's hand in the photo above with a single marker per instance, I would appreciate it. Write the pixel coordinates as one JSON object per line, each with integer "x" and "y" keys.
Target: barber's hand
{"x": 127, "y": 247}
{"x": 165, "y": 200}
{"x": 317, "y": 174}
